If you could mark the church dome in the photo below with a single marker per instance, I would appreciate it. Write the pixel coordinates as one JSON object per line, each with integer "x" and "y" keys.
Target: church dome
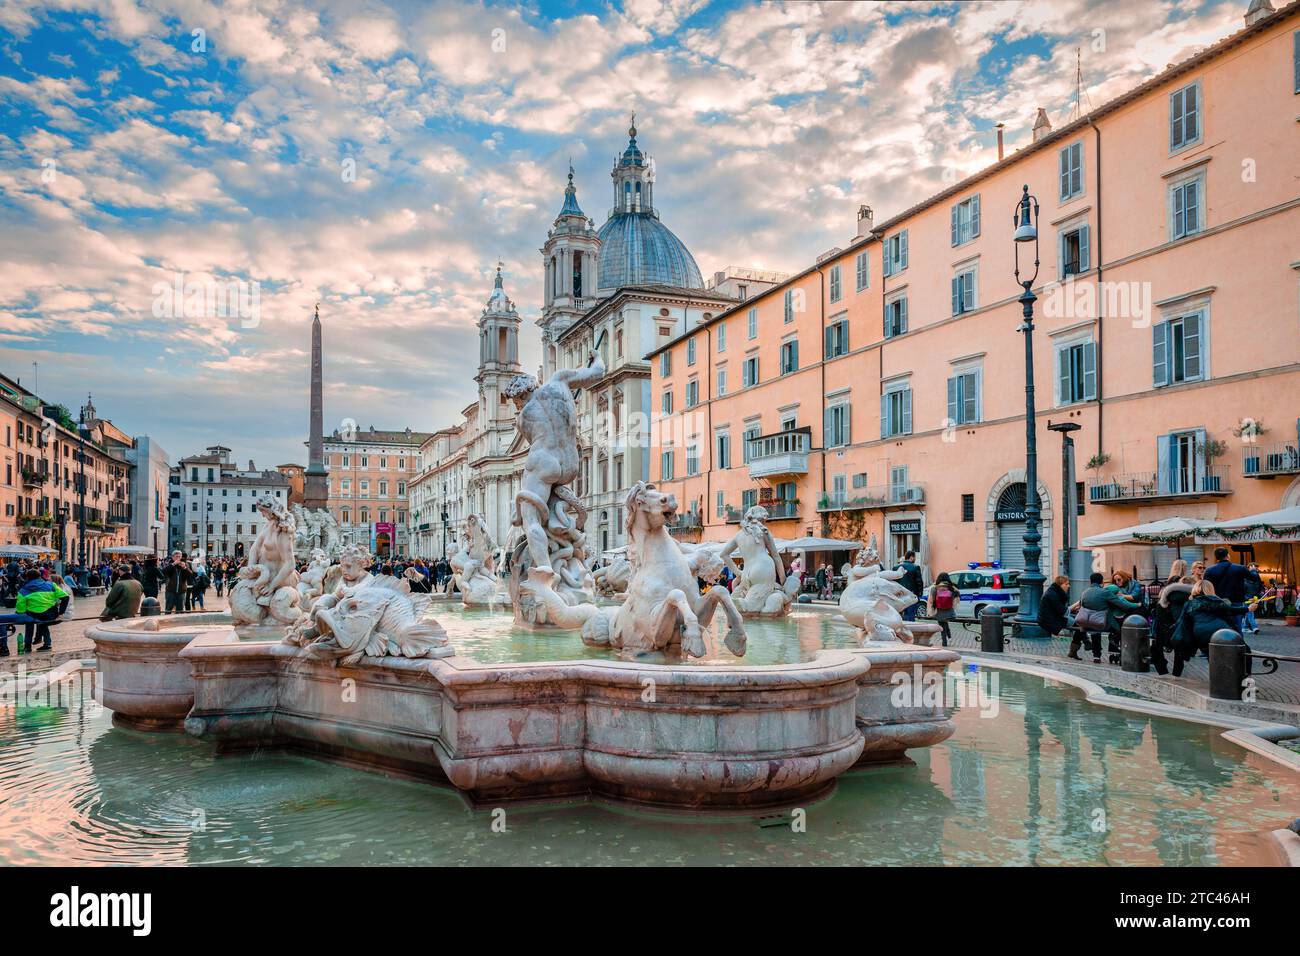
{"x": 637, "y": 249}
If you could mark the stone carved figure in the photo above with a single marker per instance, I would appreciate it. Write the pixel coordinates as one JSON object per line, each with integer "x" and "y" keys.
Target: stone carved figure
{"x": 612, "y": 579}
{"x": 549, "y": 559}
{"x": 474, "y": 564}
{"x": 663, "y": 609}
{"x": 764, "y": 589}
{"x": 368, "y": 616}
{"x": 268, "y": 583}
{"x": 316, "y": 529}
{"x": 317, "y": 578}
{"x": 873, "y": 602}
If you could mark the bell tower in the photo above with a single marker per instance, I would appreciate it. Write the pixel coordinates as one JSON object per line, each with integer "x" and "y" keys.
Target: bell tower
{"x": 569, "y": 265}
{"x": 498, "y": 353}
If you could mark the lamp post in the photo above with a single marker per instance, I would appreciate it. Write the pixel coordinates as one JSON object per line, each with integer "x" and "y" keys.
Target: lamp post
{"x": 1069, "y": 500}
{"x": 1025, "y": 221}
{"x": 82, "y": 575}
{"x": 63, "y": 513}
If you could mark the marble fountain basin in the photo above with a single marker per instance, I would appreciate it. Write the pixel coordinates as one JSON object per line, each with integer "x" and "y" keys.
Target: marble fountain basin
{"x": 722, "y": 735}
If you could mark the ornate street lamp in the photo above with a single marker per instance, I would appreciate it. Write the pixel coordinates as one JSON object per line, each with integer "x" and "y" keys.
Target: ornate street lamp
{"x": 1025, "y": 221}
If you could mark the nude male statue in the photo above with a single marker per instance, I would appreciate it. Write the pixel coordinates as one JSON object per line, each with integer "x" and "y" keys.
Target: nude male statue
{"x": 548, "y": 419}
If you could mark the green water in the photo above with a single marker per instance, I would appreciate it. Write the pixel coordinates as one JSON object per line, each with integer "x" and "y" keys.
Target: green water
{"x": 1049, "y": 779}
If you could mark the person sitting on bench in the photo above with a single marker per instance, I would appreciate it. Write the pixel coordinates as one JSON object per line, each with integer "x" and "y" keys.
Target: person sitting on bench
{"x": 1100, "y": 610}
{"x": 1052, "y": 616}
{"x": 43, "y": 601}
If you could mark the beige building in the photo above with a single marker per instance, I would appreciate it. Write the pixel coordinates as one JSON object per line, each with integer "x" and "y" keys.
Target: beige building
{"x": 214, "y": 503}
{"x": 370, "y": 472}
{"x": 881, "y": 390}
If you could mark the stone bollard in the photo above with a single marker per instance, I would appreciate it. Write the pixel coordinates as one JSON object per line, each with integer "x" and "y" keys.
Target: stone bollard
{"x": 150, "y": 607}
{"x": 991, "y": 628}
{"x": 1135, "y": 645}
{"x": 1227, "y": 664}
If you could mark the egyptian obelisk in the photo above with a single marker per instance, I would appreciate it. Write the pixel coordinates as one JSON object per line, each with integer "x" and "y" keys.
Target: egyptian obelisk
{"x": 316, "y": 487}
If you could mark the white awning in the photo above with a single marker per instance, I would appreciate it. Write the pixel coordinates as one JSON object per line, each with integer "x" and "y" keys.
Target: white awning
{"x": 818, "y": 544}
{"x": 1153, "y": 532}
{"x": 1282, "y": 525}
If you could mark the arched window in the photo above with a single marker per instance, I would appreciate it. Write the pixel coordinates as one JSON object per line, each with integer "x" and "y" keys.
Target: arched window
{"x": 627, "y": 196}
{"x": 577, "y": 275}
{"x": 555, "y": 278}
{"x": 638, "y": 197}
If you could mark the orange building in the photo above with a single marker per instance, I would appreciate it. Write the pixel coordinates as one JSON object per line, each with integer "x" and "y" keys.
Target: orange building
{"x": 881, "y": 389}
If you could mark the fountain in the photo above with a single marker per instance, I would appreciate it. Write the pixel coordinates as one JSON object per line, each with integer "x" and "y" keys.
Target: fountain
{"x": 361, "y": 672}
{"x": 474, "y": 565}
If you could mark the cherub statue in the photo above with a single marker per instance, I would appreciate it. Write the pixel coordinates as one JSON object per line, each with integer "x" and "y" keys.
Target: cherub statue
{"x": 764, "y": 590}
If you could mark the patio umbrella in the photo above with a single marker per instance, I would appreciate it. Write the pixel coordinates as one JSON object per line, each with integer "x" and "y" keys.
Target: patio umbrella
{"x": 817, "y": 544}
{"x": 1281, "y": 526}
{"x": 127, "y": 549}
{"x": 1164, "y": 531}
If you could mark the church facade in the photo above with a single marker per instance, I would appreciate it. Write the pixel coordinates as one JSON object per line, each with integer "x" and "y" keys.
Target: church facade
{"x": 620, "y": 290}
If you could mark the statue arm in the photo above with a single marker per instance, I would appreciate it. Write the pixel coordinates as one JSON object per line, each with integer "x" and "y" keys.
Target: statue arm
{"x": 725, "y": 555}
{"x": 776, "y": 556}
{"x": 578, "y": 377}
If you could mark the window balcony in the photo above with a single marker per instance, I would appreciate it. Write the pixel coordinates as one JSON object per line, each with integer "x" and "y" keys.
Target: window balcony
{"x": 874, "y": 498}
{"x": 780, "y": 454}
{"x": 781, "y": 509}
{"x": 1270, "y": 461}
{"x": 686, "y": 522}
{"x": 33, "y": 477}
{"x": 1183, "y": 485}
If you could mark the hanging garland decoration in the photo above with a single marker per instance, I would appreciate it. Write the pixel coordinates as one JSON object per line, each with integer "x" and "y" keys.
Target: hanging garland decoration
{"x": 1248, "y": 533}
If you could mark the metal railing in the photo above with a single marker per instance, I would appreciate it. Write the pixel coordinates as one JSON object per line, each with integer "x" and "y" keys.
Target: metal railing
{"x": 880, "y": 496}
{"x": 1148, "y": 485}
{"x": 1267, "y": 461}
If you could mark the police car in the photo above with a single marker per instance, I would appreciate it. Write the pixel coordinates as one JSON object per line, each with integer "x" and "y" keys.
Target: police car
{"x": 985, "y": 583}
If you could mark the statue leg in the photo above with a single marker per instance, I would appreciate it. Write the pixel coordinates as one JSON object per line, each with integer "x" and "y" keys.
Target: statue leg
{"x": 736, "y": 639}
{"x": 533, "y": 509}
{"x": 673, "y": 612}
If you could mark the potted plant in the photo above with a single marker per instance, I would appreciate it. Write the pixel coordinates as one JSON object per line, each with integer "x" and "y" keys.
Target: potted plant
{"x": 1095, "y": 464}
{"x": 1210, "y": 451}
{"x": 1292, "y": 617}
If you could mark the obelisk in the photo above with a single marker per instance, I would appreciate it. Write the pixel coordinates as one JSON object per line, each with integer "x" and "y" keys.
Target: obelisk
{"x": 316, "y": 486}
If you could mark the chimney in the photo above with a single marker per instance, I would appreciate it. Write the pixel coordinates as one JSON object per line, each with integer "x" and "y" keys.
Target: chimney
{"x": 1001, "y": 152}
{"x": 251, "y": 466}
{"x": 1042, "y": 125}
{"x": 1257, "y": 11}
{"x": 865, "y": 218}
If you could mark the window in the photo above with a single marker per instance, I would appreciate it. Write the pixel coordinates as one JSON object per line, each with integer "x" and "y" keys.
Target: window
{"x": 720, "y": 507}
{"x": 749, "y": 371}
{"x": 1076, "y": 373}
{"x": 666, "y": 402}
{"x": 690, "y": 352}
{"x": 1074, "y": 252}
{"x": 896, "y": 317}
{"x": 835, "y": 284}
{"x": 898, "y": 484}
{"x": 722, "y": 336}
{"x": 692, "y": 393}
{"x": 753, "y": 323}
{"x": 896, "y": 411}
{"x": 751, "y": 432}
{"x": 863, "y": 267}
{"x": 722, "y": 382}
{"x": 967, "y": 508}
{"x": 724, "y": 450}
{"x": 1185, "y": 117}
{"x": 1078, "y": 497}
{"x": 789, "y": 356}
{"x": 964, "y": 397}
{"x": 748, "y": 498}
{"x": 966, "y": 221}
{"x": 346, "y": 460}
{"x": 1179, "y": 349}
{"x": 1186, "y": 208}
{"x": 837, "y": 338}
{"x": 837, "y": 425}
{"x": 963, "y": 292}
{"x": 1072, "y": 171}
{"x": 665, "y": 364}
{"x": 896, "y": 253}
{"x": 666, "y": 465}
{"x": 692, "y": 460}
{"x": 788, "y": 305}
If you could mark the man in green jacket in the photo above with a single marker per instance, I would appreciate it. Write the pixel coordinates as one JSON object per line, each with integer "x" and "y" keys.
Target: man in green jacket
{"x": 123, "y": 597}
{"x": 41, "y": 600}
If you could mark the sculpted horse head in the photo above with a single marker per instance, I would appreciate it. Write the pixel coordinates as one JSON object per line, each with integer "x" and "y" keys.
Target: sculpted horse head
{"x": 648, "y": 510}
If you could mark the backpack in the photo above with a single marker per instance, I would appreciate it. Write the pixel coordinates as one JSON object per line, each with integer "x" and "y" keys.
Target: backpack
{"x": 943, "y": 599}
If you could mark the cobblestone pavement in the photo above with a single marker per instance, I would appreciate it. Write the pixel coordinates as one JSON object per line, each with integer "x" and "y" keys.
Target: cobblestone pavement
{"x": 1281, "y": 687}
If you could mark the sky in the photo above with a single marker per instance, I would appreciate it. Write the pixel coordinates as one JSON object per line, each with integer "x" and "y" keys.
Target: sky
{"x": 381, "y": 158}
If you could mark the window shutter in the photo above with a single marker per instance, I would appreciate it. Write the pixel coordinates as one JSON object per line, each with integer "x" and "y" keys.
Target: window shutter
{"x": 1065, "y": 173}
{"x": 886, "y": 260}
{"x": 902, "y": 314}
{"x": 1090, "y": 371}
{"x": 829, "y": 341}
{"x": 1176, "y": 119}
{"x": 956, "y": 230}
{"x": 903, "y": 252}
{"x": 1165, "y": 463}
{"x": 794, "y": 355}
{"x": 968, "y": 394}
{"x": 884, "y": 416}
{"x": 1191, "y": 115}
{"x": 1160, "y": 354}
{"x": 1085, "y": 262}
{"x": 1180, "y": 217}
{"x": 1192, "y": 207}
{"x": 907, "y": 411}
{"x": 844, "y": 425}
{"x": 956, "y": 295}
{"x": 1192, "y": 346}
{"x": 828, "y": 426}
{"x": 974, "y": 216}
{"x": 952, "y": 401}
